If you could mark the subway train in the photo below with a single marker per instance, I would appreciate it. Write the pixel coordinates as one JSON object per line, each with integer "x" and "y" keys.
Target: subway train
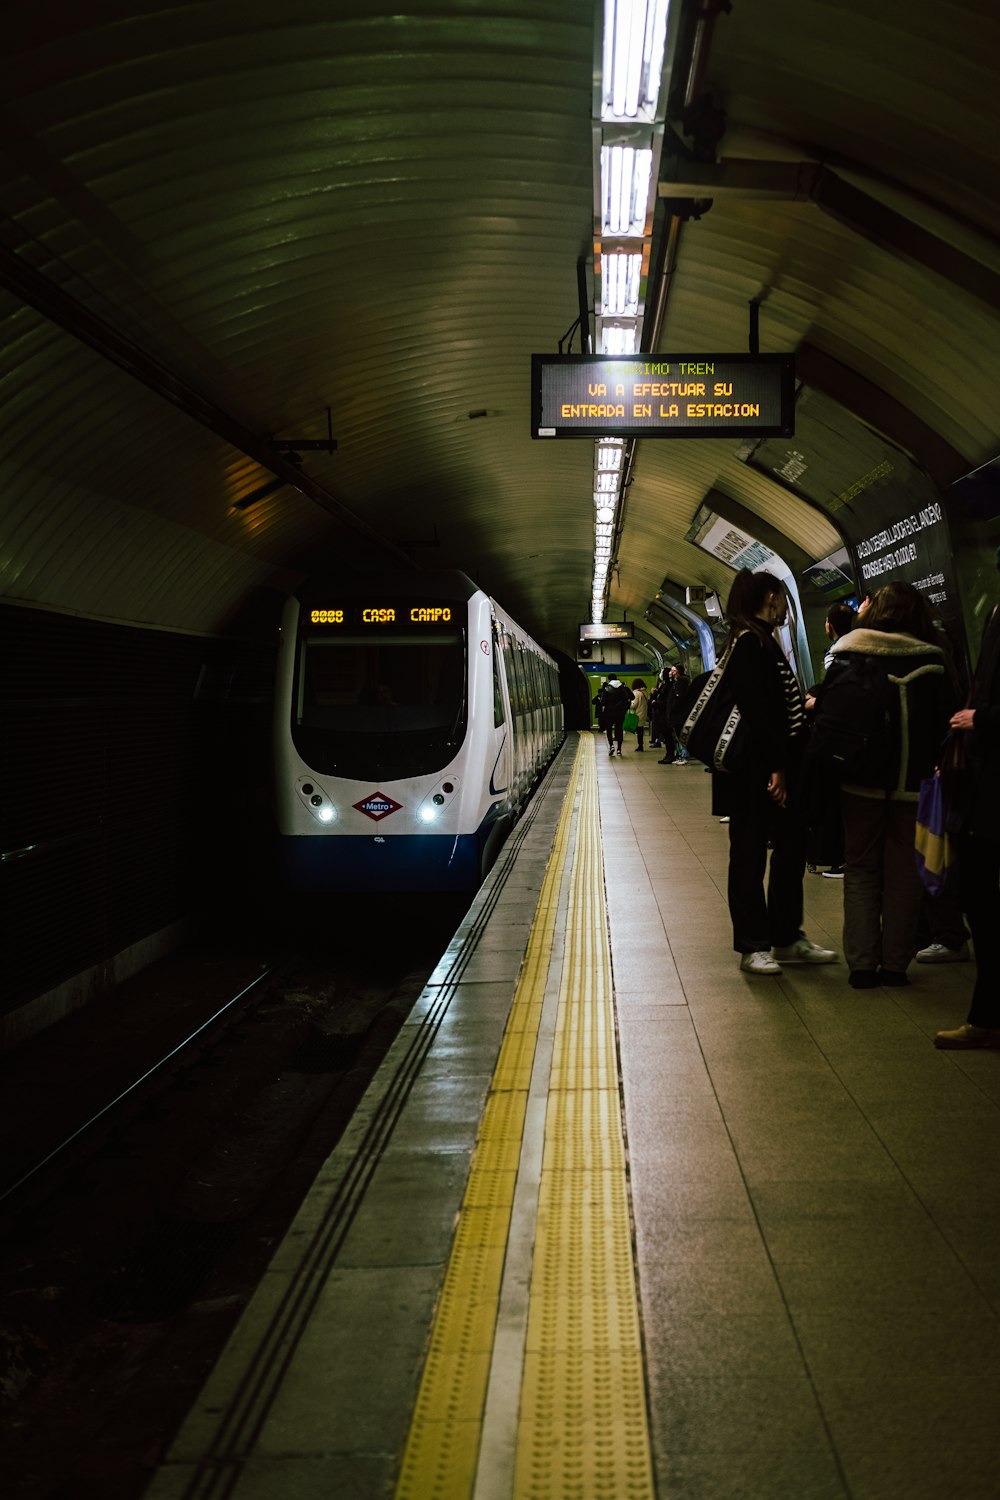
{"x": 413, "y": 720}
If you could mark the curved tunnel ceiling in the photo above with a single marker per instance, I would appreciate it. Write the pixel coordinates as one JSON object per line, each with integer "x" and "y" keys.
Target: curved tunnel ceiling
{"x": 221, "y": 221}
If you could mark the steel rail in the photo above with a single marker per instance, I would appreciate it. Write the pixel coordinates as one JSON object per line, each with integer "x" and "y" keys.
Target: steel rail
{"x": 113, "y": 1104}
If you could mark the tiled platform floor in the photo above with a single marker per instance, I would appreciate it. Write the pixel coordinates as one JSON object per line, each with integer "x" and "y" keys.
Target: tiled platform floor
{"x": 816, "y": 1197}
{"x": 816, "y": 1188}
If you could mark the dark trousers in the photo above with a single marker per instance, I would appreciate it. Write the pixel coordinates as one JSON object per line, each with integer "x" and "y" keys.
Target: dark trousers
{"x": 883, "y": 895}
{"x": 639, "y": 733}
{"x": 615, "y": 733}
{"x": 773, "y": 920}
{"x": 941, "y": 920}
{"x": 979, "y": 872}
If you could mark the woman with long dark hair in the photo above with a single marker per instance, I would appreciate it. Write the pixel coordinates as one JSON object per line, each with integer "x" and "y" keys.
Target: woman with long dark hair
{"x": 759, "y": 799}
{"x": 897, "y": 649}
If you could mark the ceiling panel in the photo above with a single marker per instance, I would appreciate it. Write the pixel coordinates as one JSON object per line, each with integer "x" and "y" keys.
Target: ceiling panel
{"x": 378, "y": 210}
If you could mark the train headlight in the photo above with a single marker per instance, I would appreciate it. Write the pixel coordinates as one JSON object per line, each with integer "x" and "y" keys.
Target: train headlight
{"x": 316, "y": 800}
{"x": 428, "y": 813}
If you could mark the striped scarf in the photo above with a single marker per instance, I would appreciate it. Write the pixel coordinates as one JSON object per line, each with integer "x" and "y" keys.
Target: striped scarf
{"x": 795, "y": 710}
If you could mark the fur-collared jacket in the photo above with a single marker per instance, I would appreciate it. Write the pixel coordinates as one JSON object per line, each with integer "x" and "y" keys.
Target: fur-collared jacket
{"x": 920, "y": 703}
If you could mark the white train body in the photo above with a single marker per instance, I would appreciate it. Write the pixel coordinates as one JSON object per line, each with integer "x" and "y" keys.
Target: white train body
{"x": 413, "y": 719}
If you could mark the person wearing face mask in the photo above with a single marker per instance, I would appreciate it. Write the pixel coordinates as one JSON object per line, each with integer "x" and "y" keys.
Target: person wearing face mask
{"x": 759, "y": 799}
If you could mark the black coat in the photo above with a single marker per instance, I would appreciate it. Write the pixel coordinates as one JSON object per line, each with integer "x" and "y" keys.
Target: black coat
{"x": 756, "y": 682}
{"x": 612, "y": 705}
{"x": 676, "y": 692}
{"x": 659, "y": 700}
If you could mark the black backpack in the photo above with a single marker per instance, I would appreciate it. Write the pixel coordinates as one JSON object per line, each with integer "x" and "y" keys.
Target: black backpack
{"x": 852, "y": 728}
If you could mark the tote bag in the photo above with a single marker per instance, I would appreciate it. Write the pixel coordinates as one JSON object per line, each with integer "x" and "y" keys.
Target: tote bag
{"x": 713, "y": 729}
{"x": 631, "y": 720}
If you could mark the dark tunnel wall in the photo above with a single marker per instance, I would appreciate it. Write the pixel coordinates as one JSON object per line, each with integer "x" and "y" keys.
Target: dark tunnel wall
{"x": 132, "y": 763}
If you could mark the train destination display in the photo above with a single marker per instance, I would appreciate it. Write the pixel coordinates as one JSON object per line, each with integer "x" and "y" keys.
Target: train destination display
{"x": 676, "y": 395}
{"x": 408, "y": 614}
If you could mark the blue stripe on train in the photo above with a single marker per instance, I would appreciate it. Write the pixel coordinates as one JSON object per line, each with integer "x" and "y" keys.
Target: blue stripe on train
{"x": 409, "y": 862}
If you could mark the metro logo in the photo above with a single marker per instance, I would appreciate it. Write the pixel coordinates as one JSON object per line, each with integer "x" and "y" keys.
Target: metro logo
{"x": 377, "y": 806}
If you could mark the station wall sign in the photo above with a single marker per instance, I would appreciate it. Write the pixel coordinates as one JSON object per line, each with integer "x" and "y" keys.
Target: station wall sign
{"x": 622, "y": 630}
{"x": 669, "y": 395}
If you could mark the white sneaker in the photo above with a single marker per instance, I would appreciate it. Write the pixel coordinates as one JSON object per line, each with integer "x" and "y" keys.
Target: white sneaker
{"x": 759, "y": 963}
{"x": 802, "y": 951}
{"x": 940, "y": 953}
{"x": 723, "y": 820}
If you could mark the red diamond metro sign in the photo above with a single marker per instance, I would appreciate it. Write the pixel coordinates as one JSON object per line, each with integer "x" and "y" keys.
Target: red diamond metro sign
{"x": 377, "y": 806}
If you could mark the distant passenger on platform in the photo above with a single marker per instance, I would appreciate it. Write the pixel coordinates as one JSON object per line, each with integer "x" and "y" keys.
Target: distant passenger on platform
{"x": 883, "y": 894}
{"x": 840, "y": 618}
{"x": 759, "y": 800}
{"x": 677, "y": 754}
{"x": 596, "y": 701}
{"x": 640, "y": 707}
{"x": 658, "y": 698}
{"x": 979, "y": 842}
{"x": 613, "y": 701}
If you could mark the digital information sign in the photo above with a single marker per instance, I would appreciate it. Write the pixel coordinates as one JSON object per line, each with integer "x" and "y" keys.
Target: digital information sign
{"x": 378, "y": 614}
{"x": 675, "y": 395}
{"x": 615, "y": 631}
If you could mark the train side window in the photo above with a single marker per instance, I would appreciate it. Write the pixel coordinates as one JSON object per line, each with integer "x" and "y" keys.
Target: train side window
{"x": 498, "y": 711}
{"x": 516, "y": 681}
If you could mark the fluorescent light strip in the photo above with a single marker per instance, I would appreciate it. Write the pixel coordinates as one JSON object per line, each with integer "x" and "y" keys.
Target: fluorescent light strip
{"x": 620, "y": 278}
{"x": 634, "y": 39}
{"x": 625, "y": 178}
{"x": 618, "y": 338}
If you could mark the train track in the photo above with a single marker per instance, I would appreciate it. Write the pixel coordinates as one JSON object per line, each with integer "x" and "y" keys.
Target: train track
{"x": 133, "y": 1240}
{"x": 87, "y": 1136}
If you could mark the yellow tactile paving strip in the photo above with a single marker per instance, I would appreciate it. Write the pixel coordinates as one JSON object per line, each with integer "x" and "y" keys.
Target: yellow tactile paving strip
{"x": 583, "y": 1428}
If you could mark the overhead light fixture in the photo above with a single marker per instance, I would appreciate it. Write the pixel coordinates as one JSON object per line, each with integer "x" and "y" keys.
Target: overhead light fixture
{"x": 621, "y": 275}
{"x": 625, "y": 176}
{"x": 618, "y": 338}
{"x": 635, "y": 33}
{"x": 628, "y": 140}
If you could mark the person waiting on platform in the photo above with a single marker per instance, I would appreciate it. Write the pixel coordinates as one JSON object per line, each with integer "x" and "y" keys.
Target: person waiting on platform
{"x": 895, "y": 644}
{"x": 612, "y": 706}
{"x": 825, "y": 845}
{"x": 658, "y": 700}
{"x": 759, "y": 798}
{"x": 840, "y": 618}
{"x": 640, "y": 707}
{"x": 677, "y": 754}
{"x": 979, "y": 842}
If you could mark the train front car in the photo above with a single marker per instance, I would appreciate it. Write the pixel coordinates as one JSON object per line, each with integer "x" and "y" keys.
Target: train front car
{"x": 390, "y": 741}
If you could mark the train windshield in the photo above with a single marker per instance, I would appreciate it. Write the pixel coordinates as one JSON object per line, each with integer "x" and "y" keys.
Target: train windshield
{"x": 388, "y": 707}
